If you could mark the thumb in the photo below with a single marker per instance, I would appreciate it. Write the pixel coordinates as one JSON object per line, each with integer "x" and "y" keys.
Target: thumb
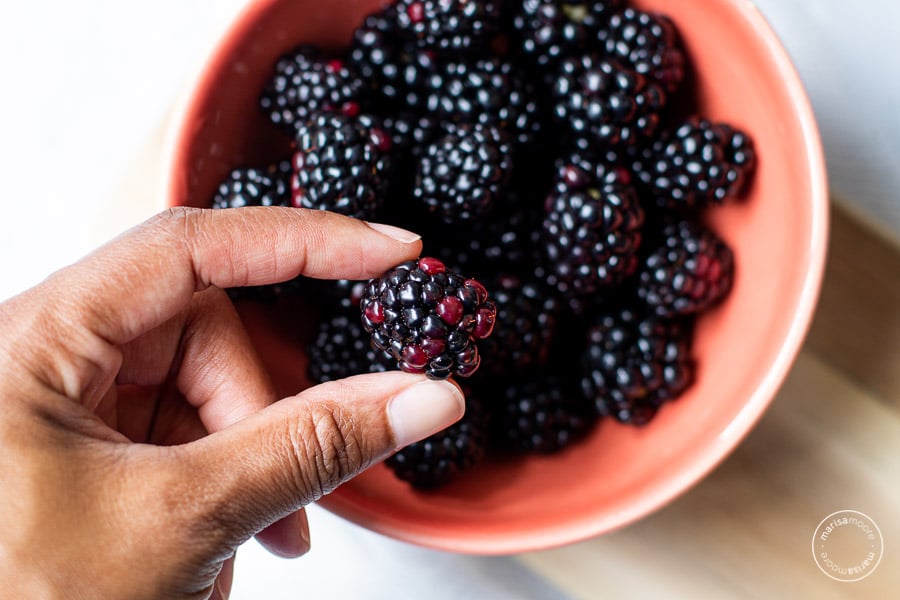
{"x": 301, "y": 448}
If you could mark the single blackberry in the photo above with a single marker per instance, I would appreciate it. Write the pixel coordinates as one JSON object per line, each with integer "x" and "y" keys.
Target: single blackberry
{"x": 487, "y": 91}
{"x": 690, "y": 271}
{"x": 526, "y": 322}
{"x": 632, "y": 365}
{"x": 548, "y": 31}
{"x": 603, "y": 103}
{"x": 461, "y": 174}
{"x": 591, "y": 234}
{"x": 542, "y": 413}
{"x": 341, "y": 164}
{"x": 646, "y": 42}
{"x": 449, "y": 26}
{"x": 254, "y": 187}
{"x": 395, "y": 72}
{"x": 440, "y": 458}
{"x": 305, "y": 82}
{"x": 342, "y": 348}
{"x": 697, "y": 164}
{"x": 428, "y": 318}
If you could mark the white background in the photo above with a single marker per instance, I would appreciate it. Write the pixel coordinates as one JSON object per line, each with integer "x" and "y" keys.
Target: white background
{"x": 87, "y": 84}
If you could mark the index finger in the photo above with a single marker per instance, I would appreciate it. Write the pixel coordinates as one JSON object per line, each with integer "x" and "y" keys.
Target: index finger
{"x": 149, "y": 274}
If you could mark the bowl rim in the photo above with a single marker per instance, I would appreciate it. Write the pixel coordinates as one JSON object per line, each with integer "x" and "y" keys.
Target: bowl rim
{"x": 526, "y": 540}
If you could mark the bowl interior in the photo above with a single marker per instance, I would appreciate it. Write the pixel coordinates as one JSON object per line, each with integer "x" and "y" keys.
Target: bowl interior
{"x": 744, "y": 348}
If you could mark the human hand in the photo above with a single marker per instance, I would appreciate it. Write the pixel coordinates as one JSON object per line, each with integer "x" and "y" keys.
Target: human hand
{"x": 140, "y": 442}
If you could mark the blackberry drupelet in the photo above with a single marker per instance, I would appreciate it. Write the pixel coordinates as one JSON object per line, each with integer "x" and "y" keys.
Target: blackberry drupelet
{"x": 341, "y": 164}
{"x": 646, "y": 42}
{"x": 603, "y": 103}
{"x": 254, "y": 187}
{"x": 542, "y": 413}
{"x": 547, "y": 31}
{"x": 342, "y": 348}
{"x": 448, "y": 26}
{"x": 305, "y": 82}
{"x": 689, "y": 272}
{"x": 699, "y": 163}
{"x": 428, "y": 318}
{"x": 461, "y": 174}
{"x": 526, "y": 322}
{"x": 486, "y": 91}
{"x": 633, "y": 364}
{"x": 591, "y": 234}
{"x": 440, "y": 458}
{"x": 411, "y": 132}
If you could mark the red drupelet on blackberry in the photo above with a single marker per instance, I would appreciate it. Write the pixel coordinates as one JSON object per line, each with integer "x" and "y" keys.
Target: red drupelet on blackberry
{"x": 697, "y": 164}
{"x": 633, "y": 364}
{"x": 449, "y": 26}
{"x": 591, "y": 231}
{"x": 428, "y": 318}
{"x": 306, "y": 82}
{"x": 647, "y": 43}
{"x": 690, "y": 271}
{"x": 541, "y": 413}
{"x": 342, "y": 348}
{"x": 461, "y": 174}
{"x": 341, "y": 164}
{"x": 441, "y": 457}
{"x": 603, "y": 103}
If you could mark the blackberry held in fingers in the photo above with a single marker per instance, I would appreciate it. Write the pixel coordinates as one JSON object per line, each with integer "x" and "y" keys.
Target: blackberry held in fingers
{"x": 428, "y": 318}
{"x": 691, "y": 271}
{"x": 699, "y": 163}
{"x": 341, "y": 164}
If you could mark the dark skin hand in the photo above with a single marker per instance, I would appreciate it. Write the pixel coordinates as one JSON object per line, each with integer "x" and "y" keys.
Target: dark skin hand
{"x": 141, "y": 441}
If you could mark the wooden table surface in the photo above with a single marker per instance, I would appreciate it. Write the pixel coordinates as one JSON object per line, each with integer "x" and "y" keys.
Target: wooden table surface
{"x": 830, "y": 442}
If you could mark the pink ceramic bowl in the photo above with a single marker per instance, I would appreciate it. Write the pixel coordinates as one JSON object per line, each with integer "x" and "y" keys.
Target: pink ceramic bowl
{"x": 744, "y": 348}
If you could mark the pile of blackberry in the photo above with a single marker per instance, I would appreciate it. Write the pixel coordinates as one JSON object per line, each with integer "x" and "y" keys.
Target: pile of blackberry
{"x": 548, "y": 154}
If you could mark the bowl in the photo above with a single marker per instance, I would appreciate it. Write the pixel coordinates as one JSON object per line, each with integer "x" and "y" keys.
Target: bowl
{"x": 744, "y": 348}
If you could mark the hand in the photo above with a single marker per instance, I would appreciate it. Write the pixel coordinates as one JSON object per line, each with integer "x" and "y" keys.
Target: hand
{"x": 140, "y": 441}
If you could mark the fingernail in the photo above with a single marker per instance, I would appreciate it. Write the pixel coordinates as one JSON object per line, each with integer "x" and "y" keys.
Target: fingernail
{"x": 401, "y": 235}
{"x": 423, "y": 409}
{"x": 304, "y": 531}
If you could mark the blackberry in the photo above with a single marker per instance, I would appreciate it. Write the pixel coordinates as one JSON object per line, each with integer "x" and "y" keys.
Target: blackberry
{"x": 341, "y": 348}
{"x": 548, "y": 31}
{"x": 697, "y": 164}
{"x": 603, "y": 103}
{"x": 463, "y": 172}
{"x": 411, "y": 132}
{"x": 341, "y": 164}
{"x": 690, "y": 271}
{"x": 632, "y": 365}
{"x": 428, "y": 318}
{"x": 487, "y": 91}
{"x": 591, "y": 234}
{"x": 255, "y": 187}
{"x": 305, "y": 82}
{"x": 542, "y": 413}
{"x": 396, "y": 73}
{"x": 646, "y": 42}
{"x": 526, "y": 321}
{"x": 441, "y": 457}
{"x": 449, "y": 26}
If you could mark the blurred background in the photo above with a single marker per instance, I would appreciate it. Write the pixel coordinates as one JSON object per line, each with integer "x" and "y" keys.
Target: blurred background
{"x": 88, "y": 88}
